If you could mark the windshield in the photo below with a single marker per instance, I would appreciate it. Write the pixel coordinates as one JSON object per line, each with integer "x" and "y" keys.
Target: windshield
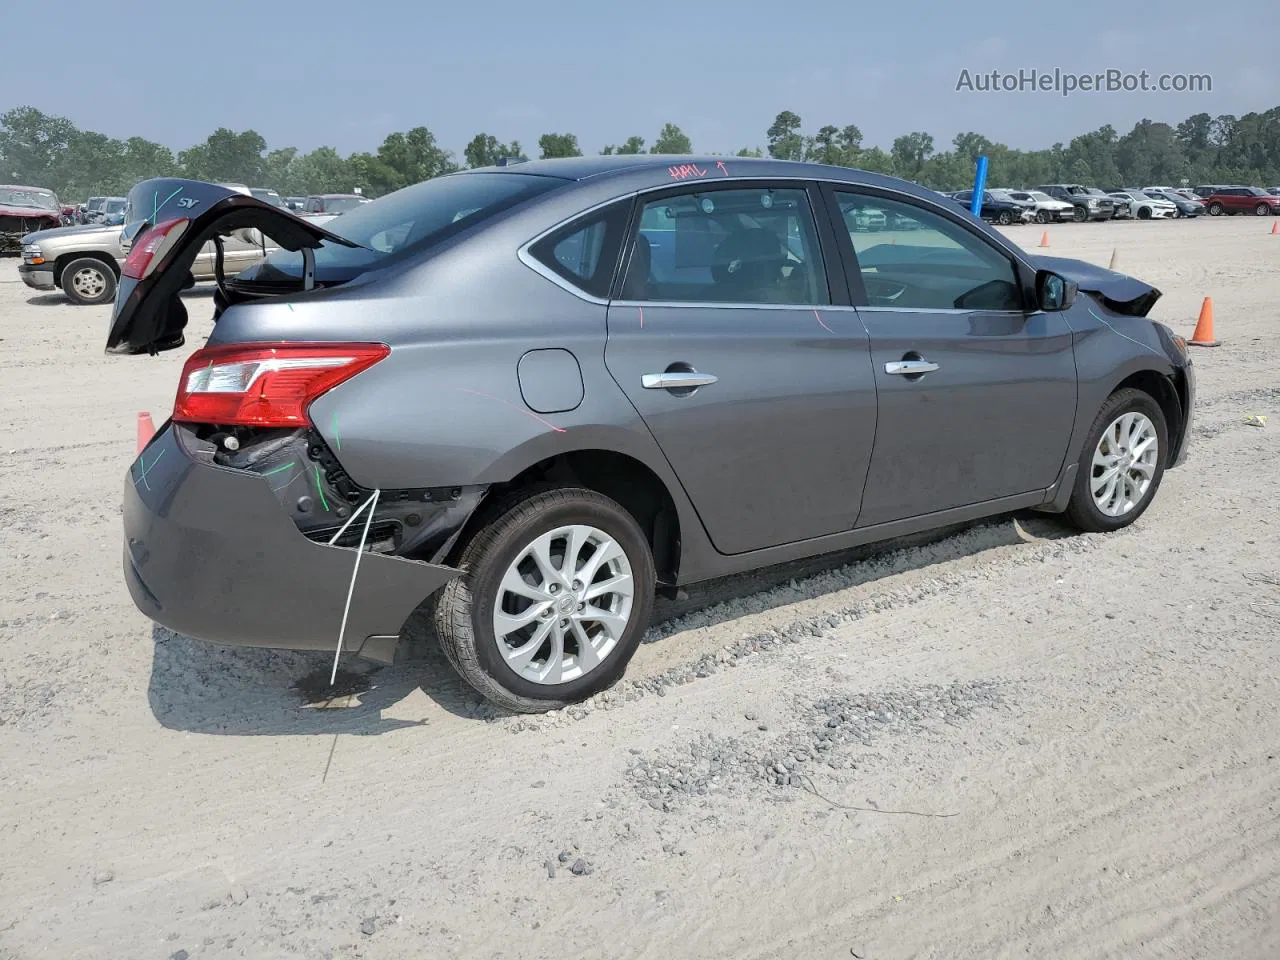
{"x": 1000, "y": 195}
{"x": 412, "y": 219}
{"x": 1042, "y": 197}
{"x": 27, "y": 197}
{"x": 267, "y": 196}
{"x": 116, "y": 206}
{"x": 1258, "y": 192}
{"x": 97, "y": 203}
{"x": 341, "y": 204}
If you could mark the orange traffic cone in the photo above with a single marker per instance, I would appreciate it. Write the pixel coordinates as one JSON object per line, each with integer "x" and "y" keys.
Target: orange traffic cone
{"x": 1044, "y": 239}
{"x": 1203, "y": 337}
{"x": 1275, "y": 229}
{"x": 146, "y": 429}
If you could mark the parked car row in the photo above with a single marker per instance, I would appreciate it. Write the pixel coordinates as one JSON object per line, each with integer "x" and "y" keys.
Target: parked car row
{"x": 1055, "y": 202}
{"x": 84, "y": 261}
{"x": 84, "y": 258}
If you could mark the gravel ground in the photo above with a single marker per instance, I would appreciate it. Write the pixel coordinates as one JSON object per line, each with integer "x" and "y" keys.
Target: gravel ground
{"x": 1003, "y": 741}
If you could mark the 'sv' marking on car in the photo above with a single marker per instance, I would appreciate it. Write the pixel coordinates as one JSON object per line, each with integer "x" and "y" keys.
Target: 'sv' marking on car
{"x": 513, "y": 406}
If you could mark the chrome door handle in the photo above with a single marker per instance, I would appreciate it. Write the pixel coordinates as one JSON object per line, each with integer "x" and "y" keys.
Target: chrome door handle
{"x": 676, "y": 380}
{"x": 910, "y": 368}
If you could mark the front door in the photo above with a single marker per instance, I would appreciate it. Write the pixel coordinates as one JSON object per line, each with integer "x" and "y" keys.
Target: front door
{"x": 977, "y": 393}
{"x": 757, "y": 388}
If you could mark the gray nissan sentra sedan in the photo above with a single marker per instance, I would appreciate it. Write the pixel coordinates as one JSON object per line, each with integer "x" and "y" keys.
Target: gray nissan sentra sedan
{"x": 539, "y": 394}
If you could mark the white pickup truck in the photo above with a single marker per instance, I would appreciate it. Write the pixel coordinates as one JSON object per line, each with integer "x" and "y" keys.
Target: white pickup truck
{"x": 85, "y": 261}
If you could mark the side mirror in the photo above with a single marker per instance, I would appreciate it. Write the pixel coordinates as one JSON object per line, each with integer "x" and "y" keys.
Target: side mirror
{"x": 1055, "y": 292}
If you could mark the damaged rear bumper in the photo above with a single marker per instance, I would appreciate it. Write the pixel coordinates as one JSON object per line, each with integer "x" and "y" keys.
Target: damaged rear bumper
{"x": 210, "y": 554}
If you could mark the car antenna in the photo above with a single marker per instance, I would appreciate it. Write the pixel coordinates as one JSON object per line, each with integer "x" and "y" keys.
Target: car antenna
{"x": 371, "y": 504}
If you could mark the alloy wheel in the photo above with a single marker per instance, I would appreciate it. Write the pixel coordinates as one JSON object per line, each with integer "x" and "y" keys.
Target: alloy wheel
{"x": 1124, "y": 464}
{"x": 89, "y": 283}
{"x": 563, "y": 604}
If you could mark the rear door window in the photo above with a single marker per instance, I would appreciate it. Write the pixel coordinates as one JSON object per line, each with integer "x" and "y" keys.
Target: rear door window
{"x": 746, "y": 245}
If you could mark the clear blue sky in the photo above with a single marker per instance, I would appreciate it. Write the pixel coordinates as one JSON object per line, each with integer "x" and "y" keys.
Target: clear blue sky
{"x": 346, "y": 74}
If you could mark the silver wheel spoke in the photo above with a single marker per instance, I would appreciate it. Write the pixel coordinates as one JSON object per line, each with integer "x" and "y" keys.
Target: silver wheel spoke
{"x": 514, "y": 583}
{"x": 587, "y": 658}
{"x": 521, "y": 657}
{"x": 619, "y": 584}
{"x": 611, "y": 623}
{"x": 540, "y": 552}
{"x": 508, "y": 623}
{"x": 553, "y": 671}
{"x": 605, "y": 552}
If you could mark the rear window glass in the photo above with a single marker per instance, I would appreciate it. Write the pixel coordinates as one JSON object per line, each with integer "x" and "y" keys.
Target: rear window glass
{"x": 585, "y": 252}
{"x": 410, "y": 220}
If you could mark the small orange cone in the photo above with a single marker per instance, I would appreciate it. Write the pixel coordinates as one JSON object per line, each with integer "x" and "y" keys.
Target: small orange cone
{"x": 1203, "y": 337}
{"x": 146, "y": 429}
{"x": 1275, "y": 229}
{"x": 1044, "y": 239}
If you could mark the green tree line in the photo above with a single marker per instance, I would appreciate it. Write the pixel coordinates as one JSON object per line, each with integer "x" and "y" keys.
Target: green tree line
{"x": 49, "y": 151}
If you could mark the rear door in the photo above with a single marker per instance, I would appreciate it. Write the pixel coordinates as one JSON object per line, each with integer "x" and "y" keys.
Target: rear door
{"x": 735, "y": 342}
{"x": 977, "y": 395}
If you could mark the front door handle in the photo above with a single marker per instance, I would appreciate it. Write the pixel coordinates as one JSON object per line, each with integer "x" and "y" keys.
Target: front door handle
{"x": 676, "y": 380}
{"x": 910, "y": 368}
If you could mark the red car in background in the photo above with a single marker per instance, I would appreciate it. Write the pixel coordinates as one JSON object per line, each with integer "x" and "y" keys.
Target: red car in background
{"x": 24, "y": 210}
{"x": 1238, "y": 199}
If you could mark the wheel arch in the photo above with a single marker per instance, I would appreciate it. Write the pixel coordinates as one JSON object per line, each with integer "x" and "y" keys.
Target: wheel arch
{"x": 62, "y": 260}
{"x": 627, "y": 479}
{"x": 1167, "y": 393}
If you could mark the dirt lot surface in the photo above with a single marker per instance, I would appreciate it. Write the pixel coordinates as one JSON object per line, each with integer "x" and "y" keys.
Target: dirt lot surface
{"x": 1010, "y": 742}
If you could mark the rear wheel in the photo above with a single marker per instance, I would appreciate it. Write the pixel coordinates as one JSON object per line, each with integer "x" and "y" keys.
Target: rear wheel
{"x": 88, "y": 281}
{"x": 556, "y": 597}
{"x": 1121, "y": 465}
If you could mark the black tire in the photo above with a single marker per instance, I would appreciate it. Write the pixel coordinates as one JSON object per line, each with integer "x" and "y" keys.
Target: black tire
{"x": 1042, "y": 216}
{"x": 88, "y": 281}
{"x": 463, "y": 613}
{"x": 1215, "y": 209}
{"x": 1262, "y": 210}
{"x": 1144, "y": 213}
{"x": 1004, "y": 218}
{"x": 1081, "y": 510}
{"x": 1080, "y": 214}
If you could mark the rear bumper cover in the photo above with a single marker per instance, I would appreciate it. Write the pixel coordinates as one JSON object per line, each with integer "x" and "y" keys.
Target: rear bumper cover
{"x": 210, "y": 554}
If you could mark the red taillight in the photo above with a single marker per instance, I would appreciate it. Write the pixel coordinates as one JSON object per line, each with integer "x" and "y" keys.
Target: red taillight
{"x": 150, "y": 248}
{"x": 266, "y": 384}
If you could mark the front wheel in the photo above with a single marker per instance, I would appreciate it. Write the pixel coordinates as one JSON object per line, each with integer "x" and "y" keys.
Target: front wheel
{"x": 557, "y": 594}
{"x": 1121, "y": 465}
{"x": 1262, "y": 210}
{"x": 1042, "y": 216}
{"x": 1080, "y": 214}
{"x": 1215, "y": 209}
{"x": 1004, "y": 218}
{"x": 88, "y": 281}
